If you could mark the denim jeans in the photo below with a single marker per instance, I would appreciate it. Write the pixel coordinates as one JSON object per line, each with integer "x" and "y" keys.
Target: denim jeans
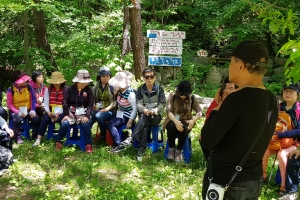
{"x": 46, "y": 121}
{"x": 35, "y": 122}
{"x": 246, "y": 190}
{"x": 113, "y": 126}
{"x": 292, "y": 174}
{"x": 140, "y": 132}
{"x": 64, "y": 128}
{"x": 101, "y": 118}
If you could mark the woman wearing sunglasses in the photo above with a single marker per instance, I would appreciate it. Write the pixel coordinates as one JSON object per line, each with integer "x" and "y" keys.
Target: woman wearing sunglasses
{"x": 179, "y": 121}
{"x": 151, "y": 101}
{"x": 53, "y": 98}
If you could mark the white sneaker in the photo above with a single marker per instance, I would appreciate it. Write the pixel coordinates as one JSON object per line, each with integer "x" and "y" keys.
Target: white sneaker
{"x": 37, "y": 143}
{"x": 290, "y": 196}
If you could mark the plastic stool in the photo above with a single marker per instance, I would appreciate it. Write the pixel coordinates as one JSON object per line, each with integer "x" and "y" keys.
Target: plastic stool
{"x": 154, "y": 143}
{"x": 74, "y": 139}
{"x": 25, "y": 125}
{"x": 51, "y": 131}
{"x": 186, "y": 151}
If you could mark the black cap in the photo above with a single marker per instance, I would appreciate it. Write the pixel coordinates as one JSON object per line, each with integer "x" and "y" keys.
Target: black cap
{"x": 184, "y": 88}
{"x": 291, "y": 86}
{"x": 251, "y": 51}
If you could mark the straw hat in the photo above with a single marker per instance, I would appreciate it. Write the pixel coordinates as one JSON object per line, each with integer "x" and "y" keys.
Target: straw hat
{"x": 56, "y": 78}
{"x": 83, "y": 76}
{"x": 121, "y": 79}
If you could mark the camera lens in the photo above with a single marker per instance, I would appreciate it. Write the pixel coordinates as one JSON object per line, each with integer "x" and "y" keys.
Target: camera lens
{"x": 213, "y": 194}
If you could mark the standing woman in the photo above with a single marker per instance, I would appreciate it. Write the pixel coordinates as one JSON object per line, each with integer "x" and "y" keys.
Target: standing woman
{"x": 37, "y": 83}
{"x": 179, "y": 121}
{"x": 103, "y": 109}
{"x": 53, "y": 98}
{"x": 126, "y": 102}
{"x": 21, "y": 102}
{"x": 77, "y": 108}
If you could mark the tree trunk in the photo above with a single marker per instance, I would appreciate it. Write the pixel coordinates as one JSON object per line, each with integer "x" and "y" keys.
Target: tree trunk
{"x": 154, "y": 10}
{"x": 126, "y": 39}
{"x": 41, "y": 34}
{"x": 137, "y": 41}
{"x": 26, "y": 41}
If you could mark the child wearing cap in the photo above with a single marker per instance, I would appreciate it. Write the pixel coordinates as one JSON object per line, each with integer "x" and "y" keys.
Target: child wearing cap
{"x": 291, "y": 106}
{"x": 180, "y": 121}
{"x": 21, "y": 102}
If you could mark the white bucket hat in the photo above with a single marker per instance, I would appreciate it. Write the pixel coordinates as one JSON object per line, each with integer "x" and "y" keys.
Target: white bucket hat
{"x": 83, "y": 76}
{"x": 121, "y": 79}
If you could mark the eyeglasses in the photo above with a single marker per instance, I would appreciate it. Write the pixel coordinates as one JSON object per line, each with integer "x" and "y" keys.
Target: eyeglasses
{"x": 289, "y": 91}
{"x": 147, "y": 77}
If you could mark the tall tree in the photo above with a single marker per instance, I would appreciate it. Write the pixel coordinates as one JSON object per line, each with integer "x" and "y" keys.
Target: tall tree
{"x": 137, "y": 41}
{"x": 26, "y": 41}
{"x": 41, "y": 32}
{"x": 126, "y": 39}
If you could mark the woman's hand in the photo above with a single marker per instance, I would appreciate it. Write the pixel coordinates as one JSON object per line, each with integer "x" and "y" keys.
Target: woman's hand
{"x": 84, "y": 120}
{"x": 9, "y": 131}
{"x": 191, "y": 124}
{"x": 178, "y": 125}
{"x": 295, "y": 152}
{"x": 55, "y": 118}
{"x": 95, "y": 108}
{"x": 65, "y": 118}
{"x": 31, "y": 115}
{"x": 129, "y": 124}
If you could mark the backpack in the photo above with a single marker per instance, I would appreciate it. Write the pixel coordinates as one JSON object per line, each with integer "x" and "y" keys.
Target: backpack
{"x": 6, "y": 158}
{"x": 284, "y": 123}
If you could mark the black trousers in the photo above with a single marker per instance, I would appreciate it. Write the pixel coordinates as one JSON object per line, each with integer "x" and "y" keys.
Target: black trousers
{"x": 172, "y": 133}
{"x": 141, "y": 129}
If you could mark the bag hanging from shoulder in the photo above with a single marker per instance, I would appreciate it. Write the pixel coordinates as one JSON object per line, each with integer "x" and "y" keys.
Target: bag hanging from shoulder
{"x": 284, "y": 123}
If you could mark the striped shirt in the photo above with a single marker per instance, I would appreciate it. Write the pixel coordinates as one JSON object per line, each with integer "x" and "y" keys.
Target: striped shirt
{"x": 127, "y": 103}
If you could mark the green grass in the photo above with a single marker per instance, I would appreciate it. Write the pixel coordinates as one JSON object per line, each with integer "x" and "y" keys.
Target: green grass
{"x": 42, "y": 173}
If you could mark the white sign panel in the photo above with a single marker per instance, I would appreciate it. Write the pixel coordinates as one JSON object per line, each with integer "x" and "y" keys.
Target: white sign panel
{"x": 165, "y": 42}
{"x": 166, "y": 34}
{"x": 165, "y": 50}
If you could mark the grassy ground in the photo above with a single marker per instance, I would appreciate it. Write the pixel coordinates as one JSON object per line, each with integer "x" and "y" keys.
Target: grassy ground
{"x": 42, "y": 173}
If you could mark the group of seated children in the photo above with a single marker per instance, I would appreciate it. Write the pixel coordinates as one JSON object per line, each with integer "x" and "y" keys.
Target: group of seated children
{"x": 112, "y": 103}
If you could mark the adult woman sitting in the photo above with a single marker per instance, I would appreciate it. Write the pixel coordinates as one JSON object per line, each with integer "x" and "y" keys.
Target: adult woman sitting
{"x": 21, "y": 102}
{"x": 291, "y": 106}
{"x": 53, "y": 98}
{"x": 37, "y": 83}
{"x": 179, "y": 121}
{"x": 77, "y": 108}
{"x": 103, "y": 109}
{"x": 126, "y": 102}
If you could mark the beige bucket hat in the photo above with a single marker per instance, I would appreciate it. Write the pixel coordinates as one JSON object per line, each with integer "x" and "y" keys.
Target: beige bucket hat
{"x": 56, "y": 78}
